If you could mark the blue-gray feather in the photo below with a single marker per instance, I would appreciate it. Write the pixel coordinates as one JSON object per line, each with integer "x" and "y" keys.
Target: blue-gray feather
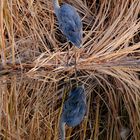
{"x": 74, "y": 107}
{"x": 70, "y": 24}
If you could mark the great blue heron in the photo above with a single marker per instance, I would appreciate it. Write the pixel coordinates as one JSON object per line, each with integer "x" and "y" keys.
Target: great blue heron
{"x": 69, "y": 22}
{"x": 74, "y": 109}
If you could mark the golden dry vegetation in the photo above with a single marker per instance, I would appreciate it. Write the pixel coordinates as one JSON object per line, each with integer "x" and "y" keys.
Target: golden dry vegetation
{"x": 37, "y": 69}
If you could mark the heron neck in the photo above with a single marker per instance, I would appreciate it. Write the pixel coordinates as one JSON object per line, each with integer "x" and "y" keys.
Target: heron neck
{"x": 61, "y": 130}
{"x": 56, "y": 6}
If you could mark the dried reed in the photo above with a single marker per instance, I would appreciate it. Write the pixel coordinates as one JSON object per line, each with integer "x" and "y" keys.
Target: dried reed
{"x": 34, "y": 73}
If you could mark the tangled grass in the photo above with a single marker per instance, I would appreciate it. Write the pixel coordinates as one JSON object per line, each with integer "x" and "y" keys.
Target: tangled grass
{"x": 37, "y": 69}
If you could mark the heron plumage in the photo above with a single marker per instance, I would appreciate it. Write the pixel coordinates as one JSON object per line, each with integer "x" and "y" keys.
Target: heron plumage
{"x": 74, "y": 110}
{"x": 69, "y": 23}
{"x": 74, "y": 107}
{"x": 56, "y": 6}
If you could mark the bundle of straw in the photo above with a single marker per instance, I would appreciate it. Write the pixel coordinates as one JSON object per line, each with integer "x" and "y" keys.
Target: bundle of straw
{"x": 34, "y": 73}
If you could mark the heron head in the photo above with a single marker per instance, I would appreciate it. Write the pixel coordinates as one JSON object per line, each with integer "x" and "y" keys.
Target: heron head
{"x": 78, "y": 91}
{"x": 75, "y": 37}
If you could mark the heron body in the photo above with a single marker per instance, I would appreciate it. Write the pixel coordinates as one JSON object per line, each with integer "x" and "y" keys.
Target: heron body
{"x": 74, "y": 109}
{"x": 69, "y": 22}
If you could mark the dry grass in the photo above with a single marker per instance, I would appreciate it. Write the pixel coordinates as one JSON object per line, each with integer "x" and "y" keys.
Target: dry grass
{"x": 34, "y": 73}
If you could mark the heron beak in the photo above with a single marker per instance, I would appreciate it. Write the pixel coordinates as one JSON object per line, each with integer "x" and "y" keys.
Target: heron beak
{"x": 79, "y": 44}
{"x": 83, "y": 86}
